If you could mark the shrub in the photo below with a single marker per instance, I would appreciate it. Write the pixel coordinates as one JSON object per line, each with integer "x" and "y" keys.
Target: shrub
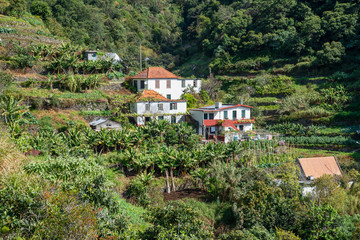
{"x": 5, "y": 81}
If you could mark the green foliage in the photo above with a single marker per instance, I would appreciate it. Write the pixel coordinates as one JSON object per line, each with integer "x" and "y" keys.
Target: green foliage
{"x": 294, "y": 129}
{"x": 320, "y": 222}
{"x": 5, "y": 81}
{"x": 191, "y": 100}
{"x": 40, "y": 8}
{"x": 176, "y": 221}
{"x": 138, "y": 188}
{"x": 331, "y": 53}
{"x": 16, "y": 8}
{"x": 320, "y": 140}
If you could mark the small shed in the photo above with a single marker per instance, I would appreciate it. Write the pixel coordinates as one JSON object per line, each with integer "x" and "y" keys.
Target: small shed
{"x": 313, "y": 168}
{"x": 100, "y": 123}
{"x": 90, "y": 55}
{"x": 113, "y": 57}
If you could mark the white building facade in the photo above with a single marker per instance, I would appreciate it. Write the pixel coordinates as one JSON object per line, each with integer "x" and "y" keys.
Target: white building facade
{"x": 164, "y": 82}
{"x": 153, "y": 106}
{"x": 216, "y": 119}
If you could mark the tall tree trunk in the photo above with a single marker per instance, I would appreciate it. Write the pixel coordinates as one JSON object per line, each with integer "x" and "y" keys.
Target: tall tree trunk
{"x": 167, "y": 181}
{"x": 172, "y": 180}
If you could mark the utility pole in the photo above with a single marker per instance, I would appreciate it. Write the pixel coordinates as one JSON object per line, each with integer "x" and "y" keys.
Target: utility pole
{"x": 140, "y": 58}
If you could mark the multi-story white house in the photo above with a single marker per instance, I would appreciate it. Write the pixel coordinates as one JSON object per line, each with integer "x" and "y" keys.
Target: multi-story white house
{"x": 164, "y": 82}
{"x": 150, "y": 105}
{"x": 215, "y": 119}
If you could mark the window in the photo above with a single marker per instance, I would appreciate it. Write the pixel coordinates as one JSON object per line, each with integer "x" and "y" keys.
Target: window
{"x": 173, "y": 119}
{"x": 243, "y": 113}
{"x": 160, "y": 117}
{"x": 160, "y": 106}
{"x": 211, "y": 115}
{"x": 195, "y": 83}
{"x": 173, "y": 106}
{"x": 142, "y": 84}
{"x": 225, "y": 114}
{"x": 147, "y": 107}
{"x": 168, "y": 83}
{"x": 108, "y": 124}
{"x": 157, "y": 83}
{"x": 135, "y": 84}
{"x": 241, "y": 127}
{"x": 183, "y": 83}
{"x": 168, "y": 96}
{"x": 234, "y": 115}
{"x": 205, "y": 116}
{"x": 212, "y": 130}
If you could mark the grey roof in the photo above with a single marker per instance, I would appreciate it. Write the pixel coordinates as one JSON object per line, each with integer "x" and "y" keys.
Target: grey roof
{"x": 97, "y": 122}
{"x": 113, "y": 57}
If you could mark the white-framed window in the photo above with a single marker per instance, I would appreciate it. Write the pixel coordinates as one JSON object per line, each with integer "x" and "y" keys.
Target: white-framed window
{"x": 243, "y": 113}
{"x": 168, "y": 83}
{"x": 147, "y": 107}
{"x": 195, "y": 83}
{"x": 168, "y": 96}
{"x": 160, "y": 117}
{"x": 183, "y": 83}
{"x": 142, "y": 84}
{"x": 205, "y": 116}
{"x": 173, "y": 119}
{"x": 211, "y": 115}
{"x": 157, "y": 83}
{"x": 173, "y": 106}
{"x": 160, "y": 106}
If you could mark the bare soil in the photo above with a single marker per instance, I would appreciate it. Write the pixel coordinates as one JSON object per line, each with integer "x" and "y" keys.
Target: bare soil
{"x": 186, "y": 193}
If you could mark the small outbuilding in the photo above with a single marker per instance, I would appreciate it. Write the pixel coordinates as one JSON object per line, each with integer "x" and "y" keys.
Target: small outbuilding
{"x": 90, "y": 55}
{"x": 313, "y": 168}
{"x": 101, "y": 123}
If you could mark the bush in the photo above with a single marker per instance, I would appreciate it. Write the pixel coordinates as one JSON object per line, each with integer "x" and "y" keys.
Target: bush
{"x": 41, "y": 9}
{"x": 176, "y": 221}
{"x": 5, "y": 81}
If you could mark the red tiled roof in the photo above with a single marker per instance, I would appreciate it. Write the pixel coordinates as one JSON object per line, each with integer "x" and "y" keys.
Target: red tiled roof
{"x": 316, "y": 167}
{"x": 155, "y": 73}
{"x": 153, "y": 96}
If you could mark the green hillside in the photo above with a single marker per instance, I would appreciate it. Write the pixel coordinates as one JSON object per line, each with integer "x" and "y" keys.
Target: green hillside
{"x": 296, "y": 62}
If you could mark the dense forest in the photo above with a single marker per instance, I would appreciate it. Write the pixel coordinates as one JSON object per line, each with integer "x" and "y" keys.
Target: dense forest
{"x": 233, "y": 36}
{"x": 296, "y": 62}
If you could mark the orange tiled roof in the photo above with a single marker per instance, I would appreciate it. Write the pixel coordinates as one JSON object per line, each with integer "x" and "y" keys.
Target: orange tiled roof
{"x": 153, "y": 96}
{"x": 316, "y": 167}
{"x": 155, "y": 73}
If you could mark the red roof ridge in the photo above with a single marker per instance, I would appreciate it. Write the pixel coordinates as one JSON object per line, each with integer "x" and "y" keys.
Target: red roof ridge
{"x": 155, "y": 73}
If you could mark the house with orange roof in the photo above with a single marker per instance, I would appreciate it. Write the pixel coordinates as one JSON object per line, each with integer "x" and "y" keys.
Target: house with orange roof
{"x": 151, "y": 105}
{"x": 216, "y": 119}
{"x": 164, "y": 82}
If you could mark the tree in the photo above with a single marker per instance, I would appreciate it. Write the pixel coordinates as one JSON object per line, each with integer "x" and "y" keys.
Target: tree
{"x": 17, "y": 8}
{"x": 40, "y": 8}
{"x": 331, "y": 53}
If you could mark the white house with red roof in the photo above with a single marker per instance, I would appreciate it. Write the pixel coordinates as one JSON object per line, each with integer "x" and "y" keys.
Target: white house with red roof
{"x": 216, "y": 119}
{"x": 150, "y": 105}
{"x": 164, "y": 82}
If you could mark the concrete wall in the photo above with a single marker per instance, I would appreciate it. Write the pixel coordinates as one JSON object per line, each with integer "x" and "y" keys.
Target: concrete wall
{"x": 176, "y": 89}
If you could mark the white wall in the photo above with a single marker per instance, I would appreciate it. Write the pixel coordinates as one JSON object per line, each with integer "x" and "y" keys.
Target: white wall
{"x": 176, "y": 89}
{"x": 140, "y": 108}
{"x": 114, "y": 125}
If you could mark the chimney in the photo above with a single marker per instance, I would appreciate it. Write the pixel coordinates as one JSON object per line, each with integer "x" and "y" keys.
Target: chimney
{"x": 218, "y": 105}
